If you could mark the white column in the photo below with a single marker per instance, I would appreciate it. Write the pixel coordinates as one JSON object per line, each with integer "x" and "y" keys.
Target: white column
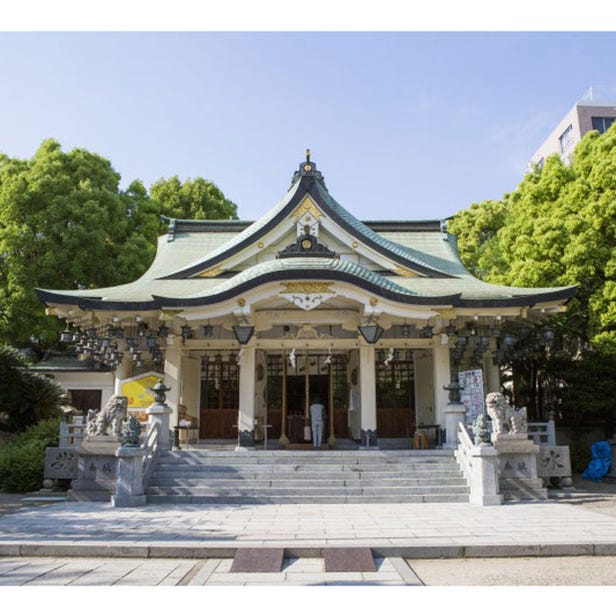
{"x": 441, "y": 377}
{"x": 492, "y": 375}
{"x": 173, "y": 374}
{"x": 367, "y": 389}
{"x": 246, "y": 420}
{"x": 424, "y": 388}
{"x": 122, "y": 371}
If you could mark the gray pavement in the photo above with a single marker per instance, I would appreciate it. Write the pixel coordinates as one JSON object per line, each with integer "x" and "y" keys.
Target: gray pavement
{"x": 67, "y": 543}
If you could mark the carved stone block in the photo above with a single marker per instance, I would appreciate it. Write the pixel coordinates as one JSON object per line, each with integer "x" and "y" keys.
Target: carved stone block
{"x": 61, "y": 463}
{"x": 554, "y": 461}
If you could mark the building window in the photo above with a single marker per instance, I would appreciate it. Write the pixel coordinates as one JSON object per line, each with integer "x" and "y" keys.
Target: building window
{"x": 566, "y": 139}
{"x": 540, "y": 164}
{"x": 602, "y": 124}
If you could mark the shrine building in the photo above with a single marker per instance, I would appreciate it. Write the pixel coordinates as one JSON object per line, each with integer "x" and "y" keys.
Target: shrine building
{"x": 246, "y": 322}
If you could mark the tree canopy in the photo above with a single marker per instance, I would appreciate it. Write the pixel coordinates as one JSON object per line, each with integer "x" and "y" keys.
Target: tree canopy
{"x": 65, "y": 224}
{"x": 558, "y": 228}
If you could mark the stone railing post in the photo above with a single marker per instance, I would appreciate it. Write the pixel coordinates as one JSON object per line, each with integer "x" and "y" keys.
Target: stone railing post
{"x": 129, "y": 484}
{"x": 480, "y": 466}
{"x": 484, "y": 485}
{"x": 160, "y": 413}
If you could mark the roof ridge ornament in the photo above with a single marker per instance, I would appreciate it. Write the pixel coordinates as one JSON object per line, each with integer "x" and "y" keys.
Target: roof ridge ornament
{"x": 309, "y": 169}
{"x": 307, "y": 245}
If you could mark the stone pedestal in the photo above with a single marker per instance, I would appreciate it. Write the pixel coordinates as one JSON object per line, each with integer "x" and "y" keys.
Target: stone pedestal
{"x": 129, "y": 485}
{"x": 518, "y": 477}
{"x": 454, "y": 413}
{"x": 485, "y": 482}
{"x": 96, "y": 470}
{"x": 159, "y": 413}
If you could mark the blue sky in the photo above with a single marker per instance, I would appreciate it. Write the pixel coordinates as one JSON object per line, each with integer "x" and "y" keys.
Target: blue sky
{"x": 406, "y": 125}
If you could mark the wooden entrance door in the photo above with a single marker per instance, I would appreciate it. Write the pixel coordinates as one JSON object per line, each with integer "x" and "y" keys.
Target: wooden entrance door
{"x": 219, "y": 398}
{"x": 395, "y": 398}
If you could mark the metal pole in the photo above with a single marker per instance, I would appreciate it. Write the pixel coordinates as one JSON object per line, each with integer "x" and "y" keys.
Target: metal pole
{"x": 307, "y": 392}
{"x": 284, "y": 439}
{"x": 331, "y": 441}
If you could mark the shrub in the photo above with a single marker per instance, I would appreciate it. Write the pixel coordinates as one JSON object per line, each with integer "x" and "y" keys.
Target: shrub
{"x": 25, "y": 397}
{"x": 22, "y": 462}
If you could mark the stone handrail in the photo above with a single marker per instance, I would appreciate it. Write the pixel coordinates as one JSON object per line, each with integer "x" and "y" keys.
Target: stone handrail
{"x": 479, "y": 464}
{"x": 463, "y": 453}
{"x": 150, "y": 444}
{"x": 71, "y": 434}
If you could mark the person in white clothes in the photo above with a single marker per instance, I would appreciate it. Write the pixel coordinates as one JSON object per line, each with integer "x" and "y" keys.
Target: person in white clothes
{"x": 317, "y": 418}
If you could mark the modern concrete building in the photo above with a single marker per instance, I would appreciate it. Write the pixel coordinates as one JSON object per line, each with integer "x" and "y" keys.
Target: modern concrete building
{"x": 595, "y": 110}
{"x": 247, "y": 321}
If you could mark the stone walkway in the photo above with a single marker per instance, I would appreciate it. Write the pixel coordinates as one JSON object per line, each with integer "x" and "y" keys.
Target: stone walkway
{"x": 71, "y": 543}
{"x": 435, "y": 530}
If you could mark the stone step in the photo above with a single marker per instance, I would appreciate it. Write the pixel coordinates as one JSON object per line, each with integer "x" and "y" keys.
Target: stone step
{"x": 303, "y": 482}
{"x": 307, "y": 491}
{"x": 334, "y": 500}
{"x": 301, "y": 466}
{"x": 169, "y": 477}
{"x": 267, "y": 460}
{"x": 332, "y": 453}
{"x": 306, "y": 476}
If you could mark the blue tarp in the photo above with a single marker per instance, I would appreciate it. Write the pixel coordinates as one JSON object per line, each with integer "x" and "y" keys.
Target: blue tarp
{"x": 600, "y": 463}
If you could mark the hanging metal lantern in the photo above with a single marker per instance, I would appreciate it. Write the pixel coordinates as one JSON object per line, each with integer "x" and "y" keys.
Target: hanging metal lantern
{"x": 163, "y": 331}
{"x": 406, "y": 331}
{"x": 66, "y": 336}
{"x": 208, "y": 331}
{"x": 450, "y": 330}
{"x": 509, "y": 340}
{"x": 427, "y": 331}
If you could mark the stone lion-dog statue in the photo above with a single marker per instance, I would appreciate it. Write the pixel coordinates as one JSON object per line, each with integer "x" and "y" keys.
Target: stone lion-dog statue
{"x": 504, "y": 417}
{"x": 108, "y": 421}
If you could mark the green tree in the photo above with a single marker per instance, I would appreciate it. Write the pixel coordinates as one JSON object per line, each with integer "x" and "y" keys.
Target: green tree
{"x": 193, "y": 199}
{"x": 557, "y": 228}
{"x": 65, "y": 224}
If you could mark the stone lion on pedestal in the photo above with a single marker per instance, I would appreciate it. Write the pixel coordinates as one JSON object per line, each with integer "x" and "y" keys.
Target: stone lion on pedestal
{"x": 504, "y": 417}
{"x": 108, "y": 421}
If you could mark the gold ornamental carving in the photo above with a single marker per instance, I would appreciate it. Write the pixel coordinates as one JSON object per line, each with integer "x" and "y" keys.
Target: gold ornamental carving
{"x": 308, "y": 206}
{"x": 168, "y": 315}
{"x": 404, "y": 271}
{"x": 307, "y": 287}
{"x": 447, "y": 313}
{"x": 211, "y": 273}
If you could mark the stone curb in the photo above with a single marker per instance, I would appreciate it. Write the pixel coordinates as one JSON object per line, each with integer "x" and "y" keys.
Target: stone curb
{"x": 193, "y": 551}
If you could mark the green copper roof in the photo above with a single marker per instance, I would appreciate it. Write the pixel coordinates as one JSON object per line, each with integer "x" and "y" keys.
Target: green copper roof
{"x": 193, "y": 246}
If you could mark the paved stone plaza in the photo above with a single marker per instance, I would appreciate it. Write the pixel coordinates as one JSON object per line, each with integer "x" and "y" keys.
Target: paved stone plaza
{"x": 68, "y": 543}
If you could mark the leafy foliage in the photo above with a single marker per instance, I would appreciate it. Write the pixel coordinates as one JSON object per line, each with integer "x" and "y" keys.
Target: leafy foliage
{"x": 558, "y": 228}
{"x": 65, "y": 224}
{"x": 22, "y": 463}
{"x": 25, "y": 397}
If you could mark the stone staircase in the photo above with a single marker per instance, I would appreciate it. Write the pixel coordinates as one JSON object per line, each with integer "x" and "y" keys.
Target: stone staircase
{"x": 278, "y": 476}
